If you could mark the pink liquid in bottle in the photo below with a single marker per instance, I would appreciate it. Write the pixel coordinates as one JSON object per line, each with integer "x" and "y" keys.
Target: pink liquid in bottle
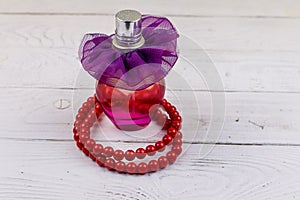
{"x": 127, "y": 109}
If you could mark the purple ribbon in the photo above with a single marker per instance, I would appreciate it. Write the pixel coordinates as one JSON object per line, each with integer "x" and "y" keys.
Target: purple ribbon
{"x": 132, "y": 69}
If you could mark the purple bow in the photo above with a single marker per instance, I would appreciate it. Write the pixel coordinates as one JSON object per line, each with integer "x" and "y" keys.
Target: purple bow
{"x": 132, "y": 69}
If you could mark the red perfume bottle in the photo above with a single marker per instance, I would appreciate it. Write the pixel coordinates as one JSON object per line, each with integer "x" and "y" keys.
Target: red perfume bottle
{"x": 130, "y": 66}
{"x": 129, "y": 109}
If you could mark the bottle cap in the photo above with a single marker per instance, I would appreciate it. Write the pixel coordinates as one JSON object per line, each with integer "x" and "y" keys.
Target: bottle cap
{"x": 128, "y": 29}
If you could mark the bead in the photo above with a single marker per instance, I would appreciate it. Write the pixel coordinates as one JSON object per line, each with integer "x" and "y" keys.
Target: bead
{"x": 142, "y": 168}
{"x": 160, "y": 146}
{"x": 83, "y": 111}
{"x": 92, "y": 156}
{"x": 100, "y": 160}
{"x": 75, "y": 129}
{"x": 77, "y": 123}
{"x": 85, "y": 130}
{"x": 167, "y": 124}
{"x": 153, "y": 166}
{"x": 167, "y": 139}
{"x": 140, "y": 153}
{"x": 76, "y": 136}
{"x": 131, "y": 168}
{"x": 91, "y": 100}
{"x": 177, "y": 118}
{"x": 83, "y": 137}
{"x": 171, "y": 156}
{"x": 162, "y": 119}
{"x": 177, "y": 149}
{"x": 130, "y": 155}
{"x": 89, "y": 144}
{"x": 176, "y": 125}
{"x": 109, "y": 164}
{"x": 164, "y": 102}
{"x": 163, "y": 161}
{"x": 85, "y": 105}
{"x": 175, "y": 114}
{"x": 179, "y": 135}
{"x": 79, "y": 116}
{"x": 108, "y": 151}
{"x": 151, "y": 150}
{"x": 177, "y": 141}
{"x": 118, "y": 155}
{"x": 98, "y": 149}
{"x": 85, "y": 151}
{"x": 120, "y": 167}
{"x": 157, "y": 115}
{"x": 79, "y": 145}
{"x": 172, "y": 132}
{"x": 172, "y": 109}
{"x": 167, "y": 106}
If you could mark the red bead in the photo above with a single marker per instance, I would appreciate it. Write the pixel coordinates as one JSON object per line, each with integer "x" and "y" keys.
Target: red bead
{"x": 77, "y": 123}
{"x": 172, "y": 109}
{"x": 131, "y": 168}
{"x": 79, "y": 145}
{"x": 130, "y": 155}
{"x": 142, "y": 168}
{"x": 98, "y": 149}
{"x": 172, "y": 132}
{"x": 118, "y": 155}
{"x": 83, "y": 111}
{"x": 171, "y": 156}
{"x": 108, "y": 151}
{"x": 167, "y": 139}
{"x": 76, "y": 136}
{"x": 84, "y": 137}
{"x": 120, "y": 167}
{"x": 157, "y": 115}
{"x": 86, "y": 105}
{"x": 167, "y": 124}
{"x": 153, "y": 166}
{"x": 109, "y": 164}
{"x": 177, "y": 141}
{"x": 87, "y": 122}
{"x": 85, "y": 130}
{"x": 151, "y": 150}
{"x": 92, "y": 157}
{"x": 79, "y": 117}
{"x": 163, "y": 161}
{"x": 174, "y": 114}
{"x": 85, "y": 151}
{"x": 140, "y": 153}
{"x": 160, "y": 146}
{"x": 75, "y": 129}
{"x": 100, "y": 160}
{"x": 177, "y": 118}
{"x": 164, "y": 102}
{"x": 177, "y": 149}
{"x": 167, "y": 106}
{"x": 176, "y": 125}
{"x": 179, "y": 135}
{"x": 89, "y": 144}
{"x": 91, "y": 100}
{"x": 162, "y": 119}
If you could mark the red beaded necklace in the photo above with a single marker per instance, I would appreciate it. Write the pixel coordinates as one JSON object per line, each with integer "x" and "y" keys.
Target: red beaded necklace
{"x": 107, "y": 157}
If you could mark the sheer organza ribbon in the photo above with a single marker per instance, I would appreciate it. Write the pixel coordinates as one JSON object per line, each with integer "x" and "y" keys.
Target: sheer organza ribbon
{"x": 132, "y": 69}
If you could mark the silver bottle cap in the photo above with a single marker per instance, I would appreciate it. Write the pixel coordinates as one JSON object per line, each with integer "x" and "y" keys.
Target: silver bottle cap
{"x": 128, "y": 29}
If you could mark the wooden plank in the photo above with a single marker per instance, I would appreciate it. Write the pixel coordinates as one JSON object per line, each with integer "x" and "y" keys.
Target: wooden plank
{"x": 233, "y": 34}
{"x": 251, "y": 118}
{"x": 48, "y": 46}
{"x": 57, "y": 170}
{"x": 228, "y": 8}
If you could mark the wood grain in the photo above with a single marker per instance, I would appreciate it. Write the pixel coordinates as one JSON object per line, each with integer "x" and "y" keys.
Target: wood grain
{"x": 192, "y": 8}
{"x": 251, "y": 118}
{"x": 57, "y": 170}
{"x": 254, "y": 45}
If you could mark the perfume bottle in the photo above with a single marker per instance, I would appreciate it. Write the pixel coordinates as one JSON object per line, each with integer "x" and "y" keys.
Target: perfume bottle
{"x": 130, "y": 66}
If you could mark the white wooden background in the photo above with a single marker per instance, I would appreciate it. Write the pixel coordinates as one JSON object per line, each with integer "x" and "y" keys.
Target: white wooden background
{"x": 255, "y": 46}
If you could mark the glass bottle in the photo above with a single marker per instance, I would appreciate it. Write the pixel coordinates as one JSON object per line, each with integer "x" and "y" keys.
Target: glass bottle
{"x": 129, "y": 109}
